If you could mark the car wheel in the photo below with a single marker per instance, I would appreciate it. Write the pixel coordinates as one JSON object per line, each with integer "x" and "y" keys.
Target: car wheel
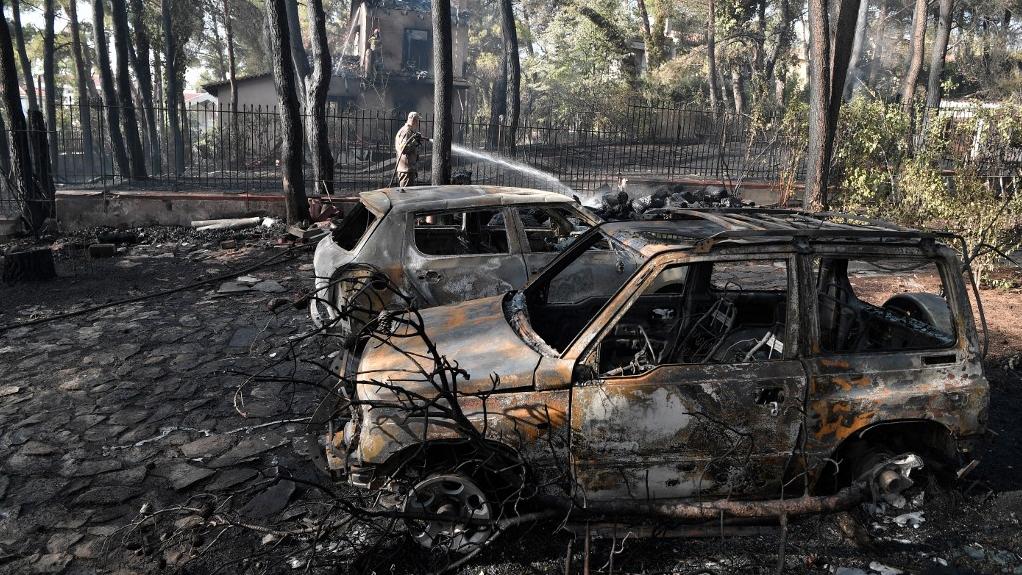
{"x": 449, "y": 511}
{"x": 357, "y": 298}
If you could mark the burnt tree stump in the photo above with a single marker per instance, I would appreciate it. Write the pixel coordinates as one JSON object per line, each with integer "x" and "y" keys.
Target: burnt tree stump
{"x": 35, "y": 264}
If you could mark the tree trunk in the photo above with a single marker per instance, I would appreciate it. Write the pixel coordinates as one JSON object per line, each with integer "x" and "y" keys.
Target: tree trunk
{"x": 738, "y": 88}
{"x": 512, "y": 72}
{"x": 171, "y": 88}
{"x": 49, "y": 82}
{"x": 933, "y": 87}
{"x": 232, "y": 75}
{"x": 781, "y": 46}
{"x": 106, "y": 80}
{"x": 647, "y": 35}
{"x": 45, "y": 190}
{"x": 20, "y": 178}
{"x": 296, "y": 203}
{"x": 301, "y": 59}
{"x": 617, "y": 38}
{"x": 915, "y": 64}
{"x": 26, "y": 65}
{"x": 443, "y": 92}
{"x": 817, "y": 162}
{"x": 132, "y": 137}
{"x": 319, "y": 85}
{"x": 145, "y": 82}
{"x": 498, "y": 105}
{"x": 83, "y": 77}
{"x": 841, "y": 55}
{"x": 90, "y": 66}
{"x": 853, "y": 80}
{"x": 711, "y": 55}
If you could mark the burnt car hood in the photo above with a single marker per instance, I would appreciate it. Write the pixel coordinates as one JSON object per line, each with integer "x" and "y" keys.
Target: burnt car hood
{"x": 474, "y": 335}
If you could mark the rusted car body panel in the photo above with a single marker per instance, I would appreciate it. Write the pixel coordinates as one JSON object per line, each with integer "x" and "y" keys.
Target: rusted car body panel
{"x": 388, "y": 244}
{"x": 683, "y": 431}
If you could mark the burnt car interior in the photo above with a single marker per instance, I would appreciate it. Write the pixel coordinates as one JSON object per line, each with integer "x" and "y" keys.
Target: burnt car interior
{"x": 460, "y": 233}
{"x": 724, "y": 312}
{"x": 550, "y": 229}
{"x": 871, "y": 319}
{"x": 355, "y": 224}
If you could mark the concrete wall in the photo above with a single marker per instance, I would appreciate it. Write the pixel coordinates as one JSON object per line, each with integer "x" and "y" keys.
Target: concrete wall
{"x": 256, "y": 92}
{"x": 78, "y": 209}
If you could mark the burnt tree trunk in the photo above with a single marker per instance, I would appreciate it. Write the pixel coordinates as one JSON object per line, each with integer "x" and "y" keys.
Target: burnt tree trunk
{"x": 297, "y": 205}
{"x": 711, "y": 55}
{"x": 856, "y": 56}
{"x": 26, "y": 65}
{"x": 829, "y": 58}
{"x": 512, "y": 72}
{"x": 20, "y": 179}
{"x": 443, "y": 92}
{"x": 915, "y": 65}
{"x": 232, "y": 76}
{"x": 106, "y": 80}
{"x": 817, "y": 162}
{"x": 841, "y": 55}
{"x": 43, "y": 170}
{"x": 49, "y": 82}
{"x": 781, "y": 46}
{"x": 498, "y": 106}
{"x": 319, "y": 85}
{"x": 171, "y": 89}
{"x": 132, "y": 136}
{"x": 933, "y": 87}
{"x": 299, "y": 57}
{"x": 145, "y": 82}
{"x": 90, "y": 65}
{"x": 83, "y": 77}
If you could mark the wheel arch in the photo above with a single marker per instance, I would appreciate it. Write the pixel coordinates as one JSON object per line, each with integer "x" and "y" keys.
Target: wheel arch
{"x": 932, "y": 440}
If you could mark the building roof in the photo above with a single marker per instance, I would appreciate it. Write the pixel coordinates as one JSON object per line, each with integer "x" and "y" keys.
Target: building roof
{"x": 699, "y": 230}
{"x": 213, "y": 87}
{"x": 448, "y": 197}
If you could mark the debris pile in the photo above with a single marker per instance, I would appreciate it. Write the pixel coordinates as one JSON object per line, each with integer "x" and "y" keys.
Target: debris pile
{"x": 618, "y": 205}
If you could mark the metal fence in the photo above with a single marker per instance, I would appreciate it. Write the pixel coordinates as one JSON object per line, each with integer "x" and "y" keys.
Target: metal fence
{"x": 240, "y": 150}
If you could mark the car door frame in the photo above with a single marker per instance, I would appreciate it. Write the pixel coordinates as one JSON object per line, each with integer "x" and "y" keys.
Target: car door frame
{"x": 413, "y": 255}
{"x": 634, "y": 473}
{"x": 853, "y": 391}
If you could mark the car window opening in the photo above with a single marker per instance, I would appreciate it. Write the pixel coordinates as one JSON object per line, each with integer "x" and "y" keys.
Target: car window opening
{"x": 883, "y": 304}
{"x": 550, "y": 229}
{"x": 353, "y": 227}
{"x": 702, "y": 313}
{"x": 471, "y": 232}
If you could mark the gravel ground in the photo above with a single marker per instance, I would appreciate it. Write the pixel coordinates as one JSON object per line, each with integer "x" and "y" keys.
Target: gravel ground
{"x": 183, "y": 407}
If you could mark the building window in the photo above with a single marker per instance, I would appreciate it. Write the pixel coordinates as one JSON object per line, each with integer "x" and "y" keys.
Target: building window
{"x": 418, "y": 50}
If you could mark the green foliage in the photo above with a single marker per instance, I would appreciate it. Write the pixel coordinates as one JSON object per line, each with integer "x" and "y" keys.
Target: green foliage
{"x": 945, "y": 184}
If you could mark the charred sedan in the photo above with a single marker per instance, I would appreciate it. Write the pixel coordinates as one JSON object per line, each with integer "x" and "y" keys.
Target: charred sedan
{"x": 737, "y": 364}
{"x": 442, "y": 244}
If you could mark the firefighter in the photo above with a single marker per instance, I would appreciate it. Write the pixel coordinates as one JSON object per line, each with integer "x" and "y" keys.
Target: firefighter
{"x": 406, "y": 144}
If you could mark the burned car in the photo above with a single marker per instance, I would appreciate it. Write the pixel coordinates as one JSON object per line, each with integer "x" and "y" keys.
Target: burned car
{"x": 739, "y": 364}
{"x": 443, "y": 244}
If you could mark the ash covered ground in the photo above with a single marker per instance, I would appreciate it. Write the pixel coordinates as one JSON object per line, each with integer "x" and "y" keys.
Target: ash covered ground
{"x": 126, "y": 433}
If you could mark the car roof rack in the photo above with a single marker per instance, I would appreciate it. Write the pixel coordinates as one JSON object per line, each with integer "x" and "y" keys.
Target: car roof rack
{"x": 779, "y": 224}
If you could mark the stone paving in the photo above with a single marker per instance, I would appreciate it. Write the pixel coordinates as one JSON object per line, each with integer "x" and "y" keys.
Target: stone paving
{"x": 135, "y": 405}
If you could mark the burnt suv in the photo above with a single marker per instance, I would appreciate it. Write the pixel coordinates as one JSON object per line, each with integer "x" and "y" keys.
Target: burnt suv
{"x": 741, "y": 363}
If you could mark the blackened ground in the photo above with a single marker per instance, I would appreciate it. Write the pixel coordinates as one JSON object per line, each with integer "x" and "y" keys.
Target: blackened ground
{"x": 138, "y": 407}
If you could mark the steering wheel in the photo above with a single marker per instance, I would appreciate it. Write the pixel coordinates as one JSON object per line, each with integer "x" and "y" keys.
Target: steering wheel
{"x": 641, "y": 361}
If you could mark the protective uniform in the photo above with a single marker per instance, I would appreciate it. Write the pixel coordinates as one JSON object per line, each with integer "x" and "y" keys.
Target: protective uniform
{"x": 406, "y": 144}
